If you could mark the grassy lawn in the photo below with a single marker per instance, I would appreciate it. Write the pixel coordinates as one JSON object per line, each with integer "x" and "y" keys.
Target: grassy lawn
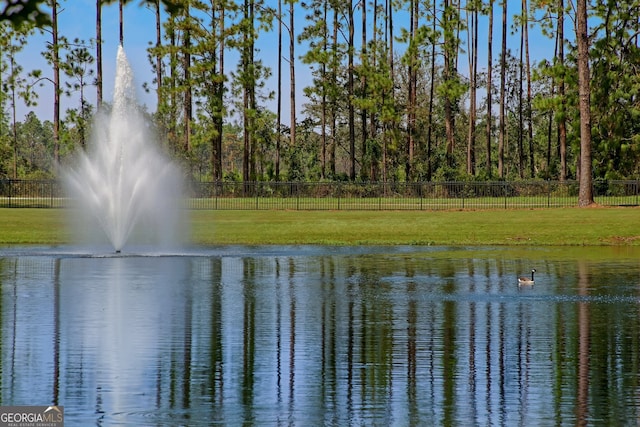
{"x": 561, "y": 226}
{"x": 33, "y": 226}
{"x": 565, "y": 226}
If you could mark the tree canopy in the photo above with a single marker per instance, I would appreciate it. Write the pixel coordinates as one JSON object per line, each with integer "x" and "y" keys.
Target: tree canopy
{"x": 388, "y": 99}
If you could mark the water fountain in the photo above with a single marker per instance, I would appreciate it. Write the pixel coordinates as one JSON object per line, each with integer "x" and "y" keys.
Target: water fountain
{"x": 122, "y": 181}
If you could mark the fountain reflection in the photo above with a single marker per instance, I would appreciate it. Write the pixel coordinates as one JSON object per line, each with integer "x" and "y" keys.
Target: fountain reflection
{"x": 320, "y": 339}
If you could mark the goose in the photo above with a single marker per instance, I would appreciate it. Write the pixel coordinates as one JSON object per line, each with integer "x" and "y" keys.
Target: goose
{"x": 525, "y": 280}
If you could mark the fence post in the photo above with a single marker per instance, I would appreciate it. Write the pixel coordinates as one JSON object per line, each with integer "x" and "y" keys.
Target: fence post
{"x": 255, "y": 185}
{"x": 217, "y": 190}
{"x": 506, "y": 189}
{"x": 51, "y": 194}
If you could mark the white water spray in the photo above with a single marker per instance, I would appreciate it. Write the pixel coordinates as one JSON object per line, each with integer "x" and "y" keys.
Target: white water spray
{"x": 123, "y": 180}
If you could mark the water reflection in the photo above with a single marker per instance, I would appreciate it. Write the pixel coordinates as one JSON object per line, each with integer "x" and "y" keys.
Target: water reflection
{"x": 321, "y": 337}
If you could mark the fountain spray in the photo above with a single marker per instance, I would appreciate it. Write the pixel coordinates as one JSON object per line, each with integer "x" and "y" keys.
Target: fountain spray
{"x": 123, "y": 181}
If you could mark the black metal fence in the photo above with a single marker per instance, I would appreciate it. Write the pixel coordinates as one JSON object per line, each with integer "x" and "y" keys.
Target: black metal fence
{"x": 18, "y": 193}
{"x": 355, "y": 196}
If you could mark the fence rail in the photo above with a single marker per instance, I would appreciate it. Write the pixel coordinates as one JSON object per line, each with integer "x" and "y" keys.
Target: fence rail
{"x": 355, "y": 196}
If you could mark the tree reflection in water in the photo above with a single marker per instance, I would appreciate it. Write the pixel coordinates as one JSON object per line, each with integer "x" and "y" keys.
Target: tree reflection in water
{"x": 321, "y": 336}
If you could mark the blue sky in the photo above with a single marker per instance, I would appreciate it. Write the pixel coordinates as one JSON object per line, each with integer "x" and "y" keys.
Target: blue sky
{"x": 77, "y": 19}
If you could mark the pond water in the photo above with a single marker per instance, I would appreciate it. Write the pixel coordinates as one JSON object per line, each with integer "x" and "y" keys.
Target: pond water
{"x": 323, "y": 336}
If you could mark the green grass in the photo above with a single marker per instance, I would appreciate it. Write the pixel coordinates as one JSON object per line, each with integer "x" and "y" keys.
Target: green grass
{"x": 564, "y": 226}
{"x": 33, "y": 226}
{"x": 547, "y": 227}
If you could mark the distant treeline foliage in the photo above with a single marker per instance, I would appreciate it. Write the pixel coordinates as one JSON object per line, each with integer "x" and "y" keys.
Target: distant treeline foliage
{"x": 396, "y": 93}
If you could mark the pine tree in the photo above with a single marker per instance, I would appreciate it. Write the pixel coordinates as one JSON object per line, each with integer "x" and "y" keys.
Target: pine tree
{"x": 585, "y": 195}
{"x": 15, "y": 85}
{"x": 489, "y": 90}
{"x": 503, "y": 82}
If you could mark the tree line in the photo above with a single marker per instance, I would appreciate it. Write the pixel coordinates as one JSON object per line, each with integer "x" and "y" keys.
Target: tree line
{"x": 396, "y": 92}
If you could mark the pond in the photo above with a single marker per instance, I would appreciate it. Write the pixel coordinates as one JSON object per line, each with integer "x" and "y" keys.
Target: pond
{"x": 307, "y": 335}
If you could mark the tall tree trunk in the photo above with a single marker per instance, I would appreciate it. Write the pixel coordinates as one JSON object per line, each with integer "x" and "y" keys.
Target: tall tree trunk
{"x": 172, "y": 128}
{"x": 489, "y": 124}
{"x": 219, "y": 118}
{"x": 173, "y": 84}
{"x": 392, "y": 72}
{"x": 550, "y": 133}
{"x": 585, "y": 195}
{"x": 373, "y": 114}
{"x": 350, "y": 89}
{"x": 99, "y": 53}
{"x": 83, "y": 115}
{"x": 56, "y": 82}
{"x": 323, "y": 117}
{"x": 279, "y": 94}
{"x": 187, "y": 115}
{"x": 158, "y": 54}
{"x": 14, "y": 120}
{"x": 246, "y": 132}
{"x": 252, "y": 92}
{"x": 503, "y": 81}
{"x": 450, "y": 58}
{"x": 292, "y": 74}
{"x": 121, "y": 21}
{"x": 473, "y": 71}
{"x": 249, "y": 91}
{"x": 562, "y": 123}
{"x": 411, "y": 95}
{"x": 432, "y": 84}
{"x": 334, "y": 76}
{"x": 521, "y": 105}
{"x": 525, "y": 28}
{"x": 374, "y": 117}
{"x": 363, "y": 93}
{"x": 551, "y": 122}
